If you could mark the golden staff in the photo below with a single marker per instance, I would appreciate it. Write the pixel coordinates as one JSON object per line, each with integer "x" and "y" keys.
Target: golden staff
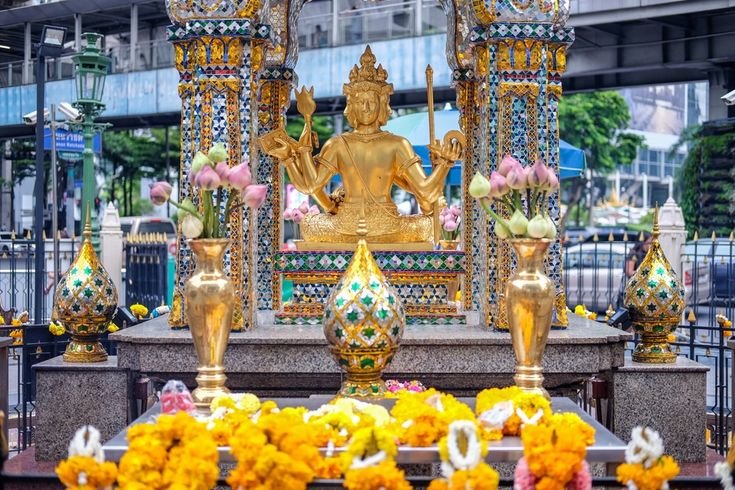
{"x": 430, "y": 101}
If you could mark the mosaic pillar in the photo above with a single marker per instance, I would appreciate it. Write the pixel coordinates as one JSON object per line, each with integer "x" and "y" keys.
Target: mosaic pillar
{"x": 523, "y": 44}
{"x": 214, "y": 52}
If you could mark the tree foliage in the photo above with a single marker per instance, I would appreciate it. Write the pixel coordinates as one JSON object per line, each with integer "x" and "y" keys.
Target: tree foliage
{"x": 596, "y": 122}
{"x": 134, "y": 156}
{"x": 321, "y": 125}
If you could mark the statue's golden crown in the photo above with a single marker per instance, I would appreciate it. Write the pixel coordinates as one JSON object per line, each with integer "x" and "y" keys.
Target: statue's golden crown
{"x": 367, "y": 76}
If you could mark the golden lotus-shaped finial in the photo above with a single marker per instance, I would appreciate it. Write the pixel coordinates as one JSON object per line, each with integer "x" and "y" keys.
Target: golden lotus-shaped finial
{"x": 655, "y": 298}
{"x": 363, "y": 323}
{"x": 84, "y": 303}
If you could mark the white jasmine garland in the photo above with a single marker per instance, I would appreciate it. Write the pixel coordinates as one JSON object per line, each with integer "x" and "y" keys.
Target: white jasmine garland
{"x": 359, "y": 463}
{"x": 436, "y": 402}
{"x": 472, "y": 456}
{"x": 724, "y": 471}
{"x": 330, "y": 449}
{"x": 495, "y": 418}
{"x": 645, "y": 447}
{"x": 86, "y": 442}
{"x": 533, "y": 420}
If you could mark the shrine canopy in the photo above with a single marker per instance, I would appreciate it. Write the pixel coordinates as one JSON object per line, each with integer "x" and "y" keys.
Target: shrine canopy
{"x": 415, "y": 128}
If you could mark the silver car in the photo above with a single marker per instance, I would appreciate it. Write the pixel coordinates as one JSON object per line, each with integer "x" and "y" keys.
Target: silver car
{"x": 592, "y": 274}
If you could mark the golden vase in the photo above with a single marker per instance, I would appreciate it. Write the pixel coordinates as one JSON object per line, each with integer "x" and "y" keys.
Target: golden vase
{"x": 529, "y": 299}
{"x": 209, "y": 299}
{"x": 449, "y": 244}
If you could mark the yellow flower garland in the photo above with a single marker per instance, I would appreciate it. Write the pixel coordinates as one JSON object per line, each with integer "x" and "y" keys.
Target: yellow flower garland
{"x": 421, "y": 419}
{"x": 385, "y": 475}
{"x": 555, "y": 450}
{"x": 652, "y": 478}
{"x": 174, "y": 452}
{"x": 86, "y": 469}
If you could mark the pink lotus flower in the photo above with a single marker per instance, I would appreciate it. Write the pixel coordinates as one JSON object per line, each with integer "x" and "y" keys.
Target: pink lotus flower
{"x": 498, "y": 186}
{"x": 255, "y": 195}
{"x": 538, "y": 176}
{"x": 314, "y": 210}
{"x": 507, "y": 164}
{"x": 552, "y": 182}
{"x": 304, "y": 208}
{"x": 517, "y": 178}
{"x": 297, "y": 216}
{"x": 451, "y": 225}
{"x": 207, "y": 179}
{"x": 160, "y": 193}
{"x": 442, "y": 217}
{"x": 455, "y": 211}
{"x": 222, "y": 170}
{"x": 288, "y": 214}
{"x": 239, "y": 176}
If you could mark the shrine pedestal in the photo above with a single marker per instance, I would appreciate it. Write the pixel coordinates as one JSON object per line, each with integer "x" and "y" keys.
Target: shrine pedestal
{"x": 276, "y": 360}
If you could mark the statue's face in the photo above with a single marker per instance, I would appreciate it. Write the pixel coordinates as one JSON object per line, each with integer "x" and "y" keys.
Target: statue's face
{"x": 366, "y": 107}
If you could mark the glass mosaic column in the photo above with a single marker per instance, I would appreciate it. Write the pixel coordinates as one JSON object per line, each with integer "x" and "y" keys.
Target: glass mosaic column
{"x": 525, "y": 45}
{"x": 214, "y": 44}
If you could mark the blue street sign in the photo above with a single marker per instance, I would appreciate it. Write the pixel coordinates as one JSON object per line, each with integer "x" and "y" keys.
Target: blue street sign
{"x": 69, "y": 141}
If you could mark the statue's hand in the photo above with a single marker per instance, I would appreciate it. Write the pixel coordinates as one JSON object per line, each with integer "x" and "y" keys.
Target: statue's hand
{"x": 446, "y": 154}
{"x": 283, "y": 150}
{"x": 305, "y": 101}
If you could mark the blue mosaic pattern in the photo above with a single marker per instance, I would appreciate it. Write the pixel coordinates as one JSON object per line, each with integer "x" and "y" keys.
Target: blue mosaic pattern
{"x": 246, "y": 114}
{"x": 550, "y": 11}
{"x": 491, "y": 244}
{"x": 501, "y": 30}
{"x": 225, "y": 27}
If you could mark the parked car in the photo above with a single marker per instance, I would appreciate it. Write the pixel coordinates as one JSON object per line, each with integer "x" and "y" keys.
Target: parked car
{"x": 713, "y": 279}
{"x": 592, "y": 274}
{"x": 137, "y": 225}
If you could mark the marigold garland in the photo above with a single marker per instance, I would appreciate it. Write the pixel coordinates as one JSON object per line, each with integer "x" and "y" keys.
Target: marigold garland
{"x": 385, "y": 476}
{"x": 174, "y": 452}
{"x": 370, "y": 463}
{"x": 421, "y": 419}
{"x": 646, "y": 467}
{"x": 555, "y": 450}
{"x": 86, "y": 473}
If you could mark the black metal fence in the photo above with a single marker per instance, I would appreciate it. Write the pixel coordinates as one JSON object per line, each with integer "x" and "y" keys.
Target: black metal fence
{"x": 146, "y": 267}
{"x": 595, "y": 272}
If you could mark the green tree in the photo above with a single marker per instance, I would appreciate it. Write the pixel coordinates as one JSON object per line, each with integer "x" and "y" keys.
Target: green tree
{"x": 133, "y": 157}
{"x": 596, "y": 123}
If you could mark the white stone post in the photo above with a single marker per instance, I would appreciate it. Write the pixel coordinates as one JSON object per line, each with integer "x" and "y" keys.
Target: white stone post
{"x": 111, "y": 247}
{"x": 673, "y": 233}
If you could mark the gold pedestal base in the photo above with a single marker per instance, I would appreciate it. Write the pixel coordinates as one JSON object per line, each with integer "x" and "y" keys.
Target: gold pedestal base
{"x": 210, "y": 384}
{"x": 531, "y": 380}
{"x": 85, "y": 350}
{"x": 654, "y": 348}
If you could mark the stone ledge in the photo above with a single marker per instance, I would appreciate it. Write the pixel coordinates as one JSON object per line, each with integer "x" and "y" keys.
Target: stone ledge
{"x": 57, "y": 363}
{"x": 682, "y": 364}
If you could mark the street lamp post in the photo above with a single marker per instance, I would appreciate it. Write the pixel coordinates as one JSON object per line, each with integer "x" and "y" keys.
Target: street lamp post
{"x": 90, "y": 69}
{"x": 50, "y": 46}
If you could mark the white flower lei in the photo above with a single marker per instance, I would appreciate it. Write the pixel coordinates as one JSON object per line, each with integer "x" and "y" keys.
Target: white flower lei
{"x": 724, "y": 471}
{"x": 86, "y": 442}
{"x": 645, "y": 447}
{"x": 496, "y": 417}
{"x": 457, "y": 460}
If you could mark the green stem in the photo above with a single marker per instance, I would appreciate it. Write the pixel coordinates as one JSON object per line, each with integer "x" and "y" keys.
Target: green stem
{"x": 228, "y": 205}
{"x": 529, "y": 203}
{"x": 216, "y": 214}
{"x": 193, "y": 213}
{"x": 490, "y": 211}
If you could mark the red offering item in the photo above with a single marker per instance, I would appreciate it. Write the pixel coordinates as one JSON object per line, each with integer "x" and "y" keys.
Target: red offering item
{"x": 175, "y": 397}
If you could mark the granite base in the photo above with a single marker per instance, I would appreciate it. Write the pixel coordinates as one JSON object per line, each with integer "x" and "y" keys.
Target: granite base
{"x": 272, "y": 360}
{"x": 670, "y": 398}
{"x": 72, "y": 394}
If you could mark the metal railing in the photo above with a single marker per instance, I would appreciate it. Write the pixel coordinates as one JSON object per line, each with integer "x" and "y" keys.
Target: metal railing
{"x": 146, "y": 268}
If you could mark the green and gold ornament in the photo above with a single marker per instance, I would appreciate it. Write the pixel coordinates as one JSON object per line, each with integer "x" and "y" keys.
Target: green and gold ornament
{"x": 84, "y": 303}
{"x": 363, "y": 323}
{"x": 654, "y": 297}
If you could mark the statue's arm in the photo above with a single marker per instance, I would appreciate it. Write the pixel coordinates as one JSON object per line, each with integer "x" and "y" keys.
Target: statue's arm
{"x": 428, "y": 190}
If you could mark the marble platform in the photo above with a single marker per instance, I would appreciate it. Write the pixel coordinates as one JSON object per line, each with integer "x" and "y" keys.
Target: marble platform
{"x": 277, "y": 360}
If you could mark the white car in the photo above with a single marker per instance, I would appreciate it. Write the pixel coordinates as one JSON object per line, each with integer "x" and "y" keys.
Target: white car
{"x": 592, "y": 274}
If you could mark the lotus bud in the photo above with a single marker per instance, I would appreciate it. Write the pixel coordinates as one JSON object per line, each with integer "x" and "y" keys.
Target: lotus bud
{"x": 518, "y": 223}
{"x": 552, "y": 181}
{"x": 297, "y": 216}
{"x": 200, "y": 161}
{"x": 222, "y": 170}
{"x": 517, "y": 178}
{"x": 239, "y": 176}
{"x": 456, "y": 211}
{"x": 186, "y": 207}
{"x": 255, "y": 195}
{"x": 479, "y": 186}
{"x": 160, "y": 193}
{"x": 537, "y": 227}
{"x": 507, "y": 164}
{"x": 304, "y": 208}
{"x": 218, "y": 153}
{"x": 538, "y": 175}
{"x": 451, "y": 225}
{"x": 314, "y": 210}
{"x": 288, "y": 215}
{"x": 191, "y": 226}
{"x": 499, "y": 185}
{"x": 207, "y": 179}
{"x": 550, "y": 228}
{"x": 501, "y": 230}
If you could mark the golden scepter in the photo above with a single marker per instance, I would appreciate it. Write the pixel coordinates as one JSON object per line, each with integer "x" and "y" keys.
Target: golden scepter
{"x": 432, "y": 141}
